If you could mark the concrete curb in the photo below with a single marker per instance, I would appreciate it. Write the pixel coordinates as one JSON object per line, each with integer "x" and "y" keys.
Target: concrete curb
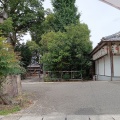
{"x": 68, "y": 117}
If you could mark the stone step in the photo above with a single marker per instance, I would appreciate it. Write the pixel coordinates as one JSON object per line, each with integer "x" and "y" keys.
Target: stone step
{"x": 68, "y": 117}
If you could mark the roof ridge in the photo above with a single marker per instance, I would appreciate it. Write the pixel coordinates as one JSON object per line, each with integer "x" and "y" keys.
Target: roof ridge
{"x": 116, "y": 35}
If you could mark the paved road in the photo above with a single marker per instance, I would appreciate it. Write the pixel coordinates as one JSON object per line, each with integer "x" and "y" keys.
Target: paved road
{"x": 75, "y": 98}
{"x": 95, "y": 100}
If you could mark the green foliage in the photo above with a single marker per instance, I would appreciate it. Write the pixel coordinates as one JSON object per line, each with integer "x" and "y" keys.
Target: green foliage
{"x": 25, "y": 54}
{"x": 66, "y": 76}
{"x": 49, "y": 23}
{"x": 26, "y": 51}
{"x": 67, "y": 50}
{"x": 24, "y": 14}
{"x": 65, "y": 13}
{"x": 40, "y": 28}
{"x": 10, "y": 111}
{"x": 34, "y": 49}
{"x": 32, "y": 46}
{"x": 9, "y": 63}
{"x": 6, "y": 27}
{"x": 36, "y": 32}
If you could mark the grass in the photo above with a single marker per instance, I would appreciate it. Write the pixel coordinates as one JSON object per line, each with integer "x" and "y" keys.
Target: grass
{"x": 9, "y": 109}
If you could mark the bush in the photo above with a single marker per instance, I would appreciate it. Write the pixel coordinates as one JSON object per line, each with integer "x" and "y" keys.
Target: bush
{"x": 66, "y": 76}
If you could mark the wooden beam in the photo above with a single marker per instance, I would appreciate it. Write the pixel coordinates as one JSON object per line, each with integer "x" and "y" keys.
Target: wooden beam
{"x": 111, "y": 60}
{"x": 104, "y": 65}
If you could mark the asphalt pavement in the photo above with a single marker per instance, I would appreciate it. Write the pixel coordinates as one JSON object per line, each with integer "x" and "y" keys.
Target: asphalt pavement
{"x": 73, "y": 98}
{"x": 92, "y": 100}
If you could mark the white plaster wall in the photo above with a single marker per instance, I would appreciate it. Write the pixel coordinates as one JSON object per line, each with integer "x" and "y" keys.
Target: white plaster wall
{"x": 116, "y": 64}
{"x": 101, "y": 66}
{"x": 107, "y": 66}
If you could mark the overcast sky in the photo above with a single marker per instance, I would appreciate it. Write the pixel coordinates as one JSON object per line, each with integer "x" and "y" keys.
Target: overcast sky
{"x": 102, "y": 19}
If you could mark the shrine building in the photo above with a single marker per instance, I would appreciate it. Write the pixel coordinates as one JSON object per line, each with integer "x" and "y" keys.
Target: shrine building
{"x": 106, "y": 58}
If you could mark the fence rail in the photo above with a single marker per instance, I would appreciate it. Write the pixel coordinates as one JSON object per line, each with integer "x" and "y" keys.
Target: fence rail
{"x": 63, "y": 75}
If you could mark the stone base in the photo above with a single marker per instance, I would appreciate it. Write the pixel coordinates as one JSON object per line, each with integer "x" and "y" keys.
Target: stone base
{"x": 107, "y": 78}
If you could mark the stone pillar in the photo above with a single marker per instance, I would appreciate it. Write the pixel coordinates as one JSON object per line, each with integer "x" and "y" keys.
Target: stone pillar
{"x": 19, "y": 86}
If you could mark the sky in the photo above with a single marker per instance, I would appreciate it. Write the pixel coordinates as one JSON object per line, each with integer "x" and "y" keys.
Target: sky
{"x": 102, "y": 19}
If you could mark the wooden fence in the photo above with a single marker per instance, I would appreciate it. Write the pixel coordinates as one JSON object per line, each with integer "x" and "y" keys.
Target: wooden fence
{"x": 63, "y": 75}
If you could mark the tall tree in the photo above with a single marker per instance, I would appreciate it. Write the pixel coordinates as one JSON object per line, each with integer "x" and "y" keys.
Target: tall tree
{"x": 9, "y": 64}
{"x": 24, "y": 14}
{"x": 36, "y": 32}
{"x": 67, "y": 50}
{"x": 38, "y": 29}
{"x": 65, "y": 13}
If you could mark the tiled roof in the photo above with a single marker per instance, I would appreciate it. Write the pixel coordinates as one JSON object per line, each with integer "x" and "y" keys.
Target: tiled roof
{"x": 113, "y": 37}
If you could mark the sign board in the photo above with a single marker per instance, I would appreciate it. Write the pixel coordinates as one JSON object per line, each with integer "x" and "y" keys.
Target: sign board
{"x": 103, "y": 51}
{"x": 115, "y": 49}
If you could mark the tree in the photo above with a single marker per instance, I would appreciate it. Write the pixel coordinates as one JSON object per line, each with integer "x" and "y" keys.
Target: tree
{"x": 49, "y": 23}
{"x": 35, "y": 50}
{"x": 9, "y": 61}
{"x": 24, "y": 14}
{"x": 67, "y": 50}
{"x": 36, "y": 32}
{"x": 25, "y": 54}
{"x": 6, "y": 27}
{"x": 32, "y": 46}
{"x": 65, "y": 13}
{"x": 38, "y": 29}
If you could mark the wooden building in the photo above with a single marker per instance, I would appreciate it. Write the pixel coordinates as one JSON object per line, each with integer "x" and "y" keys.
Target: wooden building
{"x": 106, "y": 58}
{"x": 34, "y": 70}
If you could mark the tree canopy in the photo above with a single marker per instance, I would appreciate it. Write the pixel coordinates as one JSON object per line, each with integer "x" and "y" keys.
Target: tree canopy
{"x": 67, "y": 50}
{"x": 59, "y": 36}
{"x": 9, "y": 61}
{"x": 65, "y": 13}
{"x": 24, "y": 53}
{"x": 66, "y": 44}
{"x": 24, "y": 14}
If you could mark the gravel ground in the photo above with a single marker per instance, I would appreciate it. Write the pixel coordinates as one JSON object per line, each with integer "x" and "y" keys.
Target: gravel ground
{"x": 73, "y": 98}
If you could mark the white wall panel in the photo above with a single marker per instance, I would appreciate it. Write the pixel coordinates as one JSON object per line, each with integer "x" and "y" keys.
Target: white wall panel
{"x": 101, "y": 66}
{"x": 107, "y": 66}
{"x": 116, "y": 64}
